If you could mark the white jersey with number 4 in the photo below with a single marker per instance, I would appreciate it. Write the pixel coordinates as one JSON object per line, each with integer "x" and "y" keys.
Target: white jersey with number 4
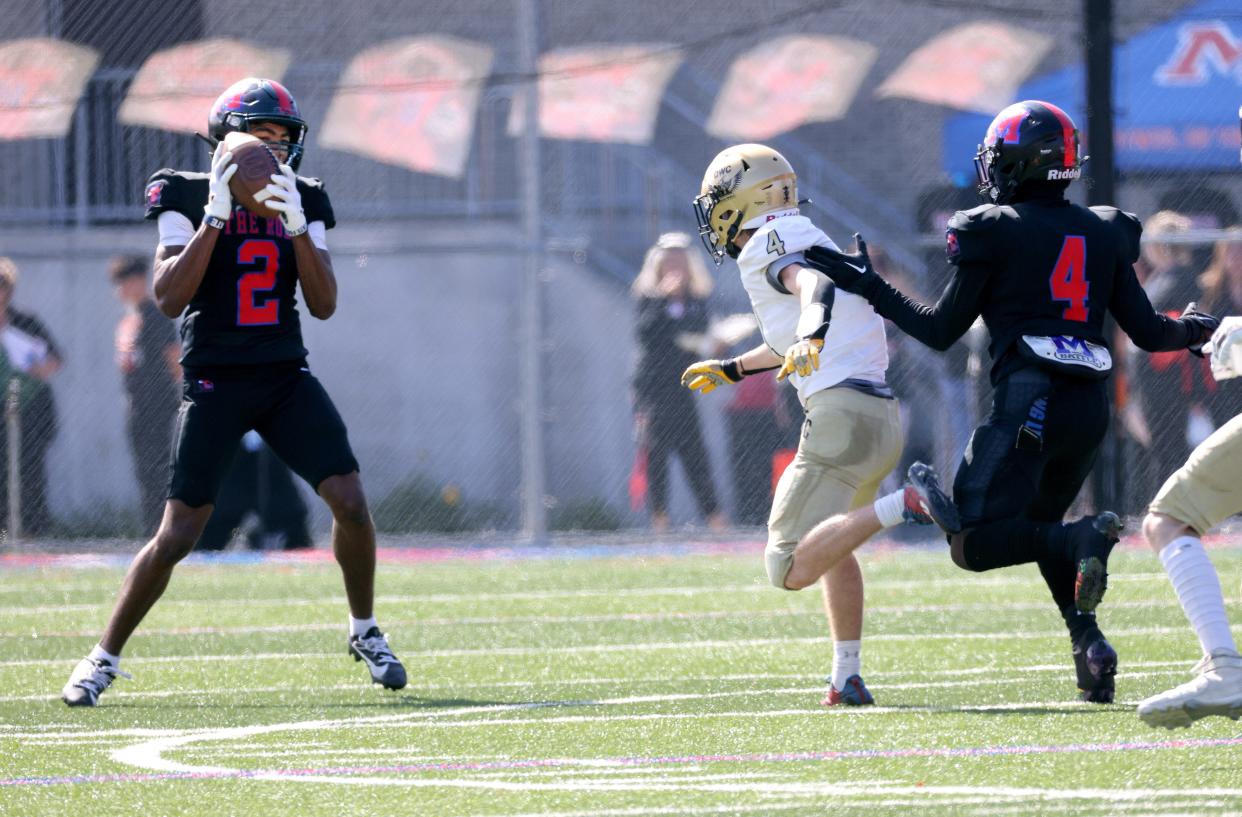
{"x": 855, "y": 346}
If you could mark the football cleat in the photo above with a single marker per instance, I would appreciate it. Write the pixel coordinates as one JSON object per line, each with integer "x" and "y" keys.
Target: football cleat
{"x": 89, "y": 679}
{"x": 1215, "y": 690}
{"x": 1092, "y": 539}
{"x": 854, "y": 694}
{"x": 372, "y": 648}
{"x": 1095, "y": 661}
{"x": 926, "y": 503}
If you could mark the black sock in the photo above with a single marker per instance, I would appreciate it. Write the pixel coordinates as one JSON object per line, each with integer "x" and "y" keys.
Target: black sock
{"x": 1008, "y": 542}
{"x": 1060, "y": 576}
{"x": 1079, "y": 624}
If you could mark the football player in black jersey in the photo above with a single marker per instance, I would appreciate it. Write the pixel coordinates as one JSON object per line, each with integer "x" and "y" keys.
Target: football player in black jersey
{"x": 232, "y": 277}
{"x": 1042, "y": 272}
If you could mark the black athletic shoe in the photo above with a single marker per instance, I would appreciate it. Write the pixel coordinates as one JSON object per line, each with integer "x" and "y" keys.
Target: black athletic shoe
{"x": 1095, "y": 661}
{"x": 1092, "y": 539}
{"x": 372, "y": 647}
{"x": 926, "y": 501}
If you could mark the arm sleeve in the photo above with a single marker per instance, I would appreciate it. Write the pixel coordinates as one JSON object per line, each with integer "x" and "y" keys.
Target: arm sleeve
{"x": 318, "y": 232}
{"x": 1150, "y": 331}
{"x": 935, "y": 326}
{"x": 175, "y": 229}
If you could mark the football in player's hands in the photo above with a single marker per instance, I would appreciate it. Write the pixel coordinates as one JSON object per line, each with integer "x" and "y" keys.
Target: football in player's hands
{"x": 255, "y": 165}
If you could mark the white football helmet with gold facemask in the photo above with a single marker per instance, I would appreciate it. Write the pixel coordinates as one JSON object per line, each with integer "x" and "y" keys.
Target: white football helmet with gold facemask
{"x": 743, "y": 186}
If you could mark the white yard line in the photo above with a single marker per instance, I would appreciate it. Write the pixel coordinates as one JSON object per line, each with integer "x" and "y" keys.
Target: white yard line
{"x": 26, "y": 631}
{"x": 757, "y": 586}
{"x": 640, "y": 646}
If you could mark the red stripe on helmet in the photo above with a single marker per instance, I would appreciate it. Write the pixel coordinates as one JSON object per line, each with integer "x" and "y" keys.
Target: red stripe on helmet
{"x": 1067, "y": 132}
{"x": 283, "y": 98}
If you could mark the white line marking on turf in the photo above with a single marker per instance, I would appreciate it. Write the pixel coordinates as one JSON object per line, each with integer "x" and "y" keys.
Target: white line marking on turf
{"x": 757, "y": 586}
{"x": 641, "y": 646}
{"x": 26, "y": 631}
{"x": 1152, "y": 668}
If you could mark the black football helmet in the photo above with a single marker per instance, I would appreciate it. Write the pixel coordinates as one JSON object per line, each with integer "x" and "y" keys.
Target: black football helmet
{"x": 1029, "y": 141}
{"x": 253, "y": 100}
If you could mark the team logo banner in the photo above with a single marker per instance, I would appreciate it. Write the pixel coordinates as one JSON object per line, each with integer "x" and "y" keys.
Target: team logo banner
{"x": 600, "y": 93}
{"x": 972, "y": 67}
{"x": 175, "y": 88}
{"x": 789, "y": 82}
{"x": 41, "y": 81}
{"x": 410, "y": 102}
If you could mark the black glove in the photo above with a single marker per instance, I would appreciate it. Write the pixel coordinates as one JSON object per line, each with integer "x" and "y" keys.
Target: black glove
{"x": 1205, "y": 324}
{"x": 850, "y": 271}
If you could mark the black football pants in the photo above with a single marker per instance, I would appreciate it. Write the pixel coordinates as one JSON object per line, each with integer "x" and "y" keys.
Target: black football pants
{"x": 1022, "y": 470}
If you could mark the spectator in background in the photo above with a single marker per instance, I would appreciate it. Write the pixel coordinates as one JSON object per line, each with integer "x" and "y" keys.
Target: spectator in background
{"x": 1166, "y": 384}
{"x": 671, "y": 291}
{"x": 754, "y": 414}
{"x": 1221, "y": 284}
{"x": 147, "y": 350}
{"x": 30, "y": 356}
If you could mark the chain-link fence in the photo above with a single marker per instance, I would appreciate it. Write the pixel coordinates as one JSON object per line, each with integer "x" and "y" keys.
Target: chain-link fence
{"x": 452, "y": 290}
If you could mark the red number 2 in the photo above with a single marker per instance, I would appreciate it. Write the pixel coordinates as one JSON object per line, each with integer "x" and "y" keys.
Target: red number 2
{"x": 250, "y": 313}
{"x": 1069, "y": 278}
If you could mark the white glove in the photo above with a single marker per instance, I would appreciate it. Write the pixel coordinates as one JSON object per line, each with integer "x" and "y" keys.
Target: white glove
{"x": 1226, "y": 349}
{"x": 282, "y": 196}
{"x": 219, "y": 199}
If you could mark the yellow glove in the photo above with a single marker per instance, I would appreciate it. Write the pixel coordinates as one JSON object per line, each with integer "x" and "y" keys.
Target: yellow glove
{"x": 802, "y": 357}
{"x": 706, "y": 375}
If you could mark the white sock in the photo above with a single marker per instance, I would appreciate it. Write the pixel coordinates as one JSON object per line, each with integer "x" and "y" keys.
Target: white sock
{"x": 359, "y": 626}
{"x": 889, "y": 508}
{"x": 97, "y": 652}
{"x": 846, "y": 661}
{"x": 1198, "y": 589}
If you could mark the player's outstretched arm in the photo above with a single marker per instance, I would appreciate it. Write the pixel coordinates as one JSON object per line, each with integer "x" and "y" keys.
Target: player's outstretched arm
{"x": 936, "y": 326}
{"x": 706, "y": 375}
{"x": 1150, "y": 330}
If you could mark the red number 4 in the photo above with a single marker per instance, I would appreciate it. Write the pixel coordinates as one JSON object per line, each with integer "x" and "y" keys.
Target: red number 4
{"x": 249, "y": 312}
{"x": 1069, "y": 278}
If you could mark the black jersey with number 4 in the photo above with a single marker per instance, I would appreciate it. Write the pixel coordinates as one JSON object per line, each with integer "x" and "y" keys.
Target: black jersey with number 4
{"x": 245, "y": 310}
{"x": 1045, "y": 267}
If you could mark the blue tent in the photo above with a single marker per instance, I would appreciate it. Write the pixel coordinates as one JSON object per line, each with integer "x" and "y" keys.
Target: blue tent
{"x": 1178, "y": 87}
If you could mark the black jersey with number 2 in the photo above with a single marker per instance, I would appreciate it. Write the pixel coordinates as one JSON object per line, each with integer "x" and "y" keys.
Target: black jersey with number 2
{"x": 245, "y": 310}
{"x": 1045, "y": 267}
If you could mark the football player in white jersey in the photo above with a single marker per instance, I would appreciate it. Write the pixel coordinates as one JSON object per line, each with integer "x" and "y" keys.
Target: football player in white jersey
{"x": 1196, "y": 498}
{"x": 831, "y": 346}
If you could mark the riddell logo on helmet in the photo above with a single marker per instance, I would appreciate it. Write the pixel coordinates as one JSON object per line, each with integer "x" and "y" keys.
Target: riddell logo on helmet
{"x": 1068, "y": 173}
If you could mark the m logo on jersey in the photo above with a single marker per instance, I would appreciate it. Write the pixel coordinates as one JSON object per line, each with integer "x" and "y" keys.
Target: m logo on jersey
{"x": 155, "y": 190}
{"x": 1203, "y": 48}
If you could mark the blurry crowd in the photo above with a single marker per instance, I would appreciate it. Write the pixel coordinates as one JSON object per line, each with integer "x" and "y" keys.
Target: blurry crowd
{"x": 259, "y": 498}
{"x": 1166, "y": 403}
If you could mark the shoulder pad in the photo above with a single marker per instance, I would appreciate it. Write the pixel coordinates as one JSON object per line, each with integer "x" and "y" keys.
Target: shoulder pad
{"x": 1128, "y": 226}
{"x": 315, "y": 202}
{"x": 178, "y": 191}
{"x": 967, "y": 238}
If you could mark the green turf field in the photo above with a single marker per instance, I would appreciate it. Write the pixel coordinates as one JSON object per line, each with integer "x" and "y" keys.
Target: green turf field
{"x": 626, "y": 684}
